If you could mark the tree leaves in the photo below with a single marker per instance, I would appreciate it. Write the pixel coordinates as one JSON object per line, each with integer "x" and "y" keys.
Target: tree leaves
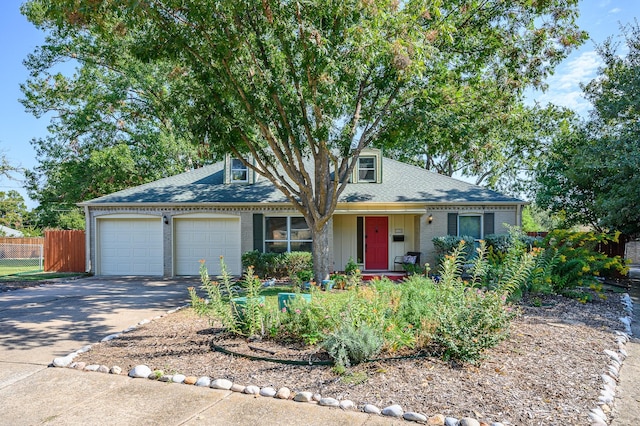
{"x": 593, "y": 174}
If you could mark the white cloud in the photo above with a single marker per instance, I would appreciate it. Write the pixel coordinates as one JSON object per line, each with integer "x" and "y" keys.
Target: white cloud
{"x": 615, "y": 10}
{"x": 573, "y": 100}
{"x": 564, "y": 85}
{"x": 577, "y": 70}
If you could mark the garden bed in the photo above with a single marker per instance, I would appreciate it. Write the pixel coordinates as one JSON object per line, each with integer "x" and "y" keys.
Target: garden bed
{"x": 547, "y": 372}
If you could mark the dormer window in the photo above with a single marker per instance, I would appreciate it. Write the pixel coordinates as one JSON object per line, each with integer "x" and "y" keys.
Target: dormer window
{"x": 367, "y": 169}
{"x": 239, "y": 171}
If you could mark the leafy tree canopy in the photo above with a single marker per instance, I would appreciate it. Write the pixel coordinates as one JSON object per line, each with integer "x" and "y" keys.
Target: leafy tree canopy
{"x": 500, "y": 147}
{"x": 303, "y": 87}
{"x": 13, "y": 210}
{"x": 593, "y": 174}
{"x": 116, "y": 122}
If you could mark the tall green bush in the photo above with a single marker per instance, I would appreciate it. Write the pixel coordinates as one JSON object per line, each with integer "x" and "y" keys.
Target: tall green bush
{"x": 247, "y": 318}
{"x": 446, "y": 244}
{"x": 468, "y": 320}
{"x": 571, "y": 260}
{"x": 266, "y": 265}
{"x": 298, "y": 264}
{"x": 216, "y": 306}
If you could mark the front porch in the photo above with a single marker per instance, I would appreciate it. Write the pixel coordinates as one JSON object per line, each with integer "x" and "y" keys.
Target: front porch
{"x": 392, "y": 275}
{"x": 375, "y": 241}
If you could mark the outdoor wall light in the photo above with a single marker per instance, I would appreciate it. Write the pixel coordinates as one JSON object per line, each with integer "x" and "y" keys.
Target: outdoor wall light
{"x": 430, "y": 219}
{"x": 165, "y": 219}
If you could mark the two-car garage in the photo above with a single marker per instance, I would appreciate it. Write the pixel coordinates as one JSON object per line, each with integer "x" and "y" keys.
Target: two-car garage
{"x": 135, "y": 244}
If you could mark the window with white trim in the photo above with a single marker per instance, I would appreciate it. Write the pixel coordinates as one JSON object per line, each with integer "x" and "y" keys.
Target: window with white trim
{"x": 367, "y": 169}
{"x": 239, "y": 171}
{"x": 286, "y": 233}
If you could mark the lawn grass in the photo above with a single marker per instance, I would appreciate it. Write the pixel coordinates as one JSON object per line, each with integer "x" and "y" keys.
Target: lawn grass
{"x": 16, "y": 266}
{"x": 37, "y": 275}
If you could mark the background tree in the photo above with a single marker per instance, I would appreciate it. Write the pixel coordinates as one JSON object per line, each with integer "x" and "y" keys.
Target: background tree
{"x": 117, "y": 122}
{"x": 535, "y": 219}
{"x": 13, "y": 210}
{"x": 304, "y": 87}
{"x": 498, "y": 145}
{"x": 6, "y": 168}
{"x": 593, "y": 174}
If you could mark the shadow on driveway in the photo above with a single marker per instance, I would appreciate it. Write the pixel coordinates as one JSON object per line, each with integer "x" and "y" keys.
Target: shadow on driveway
{"x": 40, "y": 323}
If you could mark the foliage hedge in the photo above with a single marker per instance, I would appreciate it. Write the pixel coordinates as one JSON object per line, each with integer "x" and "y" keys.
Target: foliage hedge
{"x": 296, "y": 265}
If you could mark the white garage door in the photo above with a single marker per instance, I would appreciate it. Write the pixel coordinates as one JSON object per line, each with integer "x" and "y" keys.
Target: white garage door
{"x": 208, "y": 239}
{"x": 130, "y": 247}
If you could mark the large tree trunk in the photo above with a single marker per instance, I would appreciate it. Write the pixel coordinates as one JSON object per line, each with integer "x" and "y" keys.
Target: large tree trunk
{"x": 322, "y": 264}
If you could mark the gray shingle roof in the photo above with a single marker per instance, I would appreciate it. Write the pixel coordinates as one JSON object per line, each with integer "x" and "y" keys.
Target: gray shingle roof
{"x": 400, "y": 183}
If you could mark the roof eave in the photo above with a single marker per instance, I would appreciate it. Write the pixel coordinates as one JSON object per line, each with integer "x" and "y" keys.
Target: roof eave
{"x": 342, "y": 206}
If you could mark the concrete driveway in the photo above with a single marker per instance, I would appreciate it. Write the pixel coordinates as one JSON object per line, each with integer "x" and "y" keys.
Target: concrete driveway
{"x": 40, "y": 323}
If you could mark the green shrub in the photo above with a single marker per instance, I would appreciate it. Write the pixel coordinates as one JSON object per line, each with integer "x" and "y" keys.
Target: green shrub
{"x": 297, "y": 264}
{"x": 448, "y": 243}
{"x": 250, "y": 316}
{"x": 571, "y": 260}
{"x": 506, "y": 267}
{"x": 452, "y": 317}
{"x": 278, "y": 265}
{"x": 243, "y": 319}
{"x": 500, "y": 243}
{"x": 308, "y": 322}
{"x": 266, "y": 265}
{"x": 351, "y": 267}
{"x": 351, "y": 345}
{"x": 467, "y": 320}
{"x": 217, "y": 306}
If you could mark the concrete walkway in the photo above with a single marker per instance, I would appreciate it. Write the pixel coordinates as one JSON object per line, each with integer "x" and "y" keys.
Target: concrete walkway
{"x": 627, "y": 406}
{"x": 39, "y": 324}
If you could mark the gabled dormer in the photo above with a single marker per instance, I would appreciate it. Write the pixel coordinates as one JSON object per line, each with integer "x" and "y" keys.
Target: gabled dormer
{"x": 369, "y": 167}
{"x": 236, "y": 172}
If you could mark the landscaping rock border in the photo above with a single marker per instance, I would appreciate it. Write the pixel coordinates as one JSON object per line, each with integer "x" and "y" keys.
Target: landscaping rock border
{"x": 599, "y": 415}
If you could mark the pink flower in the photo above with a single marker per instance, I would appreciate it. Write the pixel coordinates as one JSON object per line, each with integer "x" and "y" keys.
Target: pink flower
{"x": 298, "y": 311}
{"x": 284, "y": 310}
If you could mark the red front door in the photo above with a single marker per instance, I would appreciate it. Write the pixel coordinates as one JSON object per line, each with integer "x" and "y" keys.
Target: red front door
{"x": 376, "y": 243}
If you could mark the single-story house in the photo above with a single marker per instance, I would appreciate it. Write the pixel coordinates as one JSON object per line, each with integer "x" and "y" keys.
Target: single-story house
{"x": 5, "y": 231}
{"x": 389, "y": 208}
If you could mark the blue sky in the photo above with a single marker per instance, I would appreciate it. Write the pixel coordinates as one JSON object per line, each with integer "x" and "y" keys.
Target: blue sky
{"x": 601, "y": 18}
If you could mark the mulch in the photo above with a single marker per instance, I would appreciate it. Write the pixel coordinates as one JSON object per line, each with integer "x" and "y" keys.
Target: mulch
{"x": 547, "y": 372}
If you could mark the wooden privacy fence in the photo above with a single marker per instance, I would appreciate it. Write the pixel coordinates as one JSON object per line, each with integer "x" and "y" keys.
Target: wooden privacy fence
{"x": 21, "y": 247}
{"x": 64, "y": 250}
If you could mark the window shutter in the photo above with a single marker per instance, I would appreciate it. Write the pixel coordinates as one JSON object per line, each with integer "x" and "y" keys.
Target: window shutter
{"x": 452, "y": 224}
{"x": 258, "y": 232}
{"x": 489, "y": 223}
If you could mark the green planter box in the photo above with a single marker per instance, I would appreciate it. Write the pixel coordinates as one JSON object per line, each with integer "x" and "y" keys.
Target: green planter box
{"x": 241, "y": 304}
{"x": 283, "y": 298}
